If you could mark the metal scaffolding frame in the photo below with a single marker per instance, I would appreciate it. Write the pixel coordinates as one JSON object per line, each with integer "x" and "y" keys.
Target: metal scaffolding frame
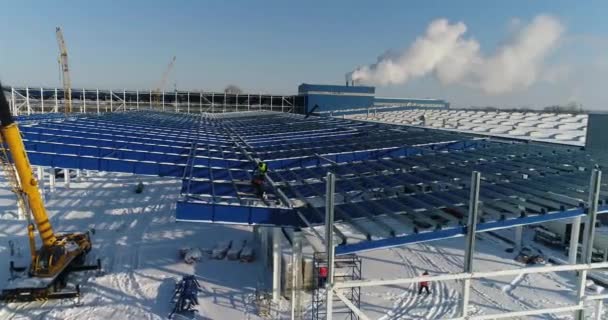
{"x": 391, "y": 185}
{"x": 27, "y": 101}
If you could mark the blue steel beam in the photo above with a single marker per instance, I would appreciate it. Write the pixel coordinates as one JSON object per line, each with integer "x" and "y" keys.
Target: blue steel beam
{"x": 457, "y": 232}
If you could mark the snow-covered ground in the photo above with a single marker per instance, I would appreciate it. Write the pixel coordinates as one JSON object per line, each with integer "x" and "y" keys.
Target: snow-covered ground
{"x": 138, "y": 240}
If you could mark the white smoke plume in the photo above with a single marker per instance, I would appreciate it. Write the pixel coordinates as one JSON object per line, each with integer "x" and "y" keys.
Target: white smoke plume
{"x": 444, "y": 52}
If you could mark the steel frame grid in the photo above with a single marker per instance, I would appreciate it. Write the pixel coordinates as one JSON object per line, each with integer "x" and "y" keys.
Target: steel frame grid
{"x": 394, "y": 185}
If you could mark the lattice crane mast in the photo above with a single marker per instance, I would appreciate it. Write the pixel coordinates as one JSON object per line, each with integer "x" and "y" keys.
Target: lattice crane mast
{"x": 165, "y": 77}
{"x": 65, "y": 70}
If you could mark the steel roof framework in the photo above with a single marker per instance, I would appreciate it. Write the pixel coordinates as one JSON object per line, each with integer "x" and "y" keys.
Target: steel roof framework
{"x": 394, "y": 185}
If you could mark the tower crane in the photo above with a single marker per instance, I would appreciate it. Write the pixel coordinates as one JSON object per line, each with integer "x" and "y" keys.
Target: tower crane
{"x": 165, "y": 77}
{"x": 59, "y": 254}
{"x": 65, "y": 70}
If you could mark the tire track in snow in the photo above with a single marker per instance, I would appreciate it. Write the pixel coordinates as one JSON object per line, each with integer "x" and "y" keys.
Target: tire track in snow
{"x": 443, "y": 299}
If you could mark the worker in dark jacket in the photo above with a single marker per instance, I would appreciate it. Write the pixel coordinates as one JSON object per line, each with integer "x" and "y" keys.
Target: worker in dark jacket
{"x": 424, "y": 284}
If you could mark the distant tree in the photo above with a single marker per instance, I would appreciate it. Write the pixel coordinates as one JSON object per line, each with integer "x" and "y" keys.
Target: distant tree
{"x": 233, "y": 89}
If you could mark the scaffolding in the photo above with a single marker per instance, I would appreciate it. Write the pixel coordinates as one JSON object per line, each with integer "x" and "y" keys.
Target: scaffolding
{"x": 347, "y": 268}
{"x": 34, "y": 100}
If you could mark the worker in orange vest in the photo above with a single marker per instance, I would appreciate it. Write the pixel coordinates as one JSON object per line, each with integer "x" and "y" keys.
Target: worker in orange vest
{"x": 424, "y": 284}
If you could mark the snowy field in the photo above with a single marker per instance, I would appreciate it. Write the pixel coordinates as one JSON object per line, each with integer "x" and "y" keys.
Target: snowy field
{"x": 138, "y": 240}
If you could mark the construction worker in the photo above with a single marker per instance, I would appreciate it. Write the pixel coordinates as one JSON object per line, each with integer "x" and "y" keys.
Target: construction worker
{"x": 424, "y": 284}
{"x": 322, "y": 276}
{"x": 262, "y": 168}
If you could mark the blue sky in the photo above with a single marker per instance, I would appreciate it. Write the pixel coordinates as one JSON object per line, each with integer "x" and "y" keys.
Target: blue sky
{"x": 272, "y": 46}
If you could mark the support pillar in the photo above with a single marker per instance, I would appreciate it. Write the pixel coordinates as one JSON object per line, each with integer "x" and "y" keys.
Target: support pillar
{"x": 519, "y": 231}
{"x": 52, "y": 180}
{"x": 586, "y": 253}
{"x": 276, "y": 264}
{"x": 66, "y": 178}
{"x": 329, "y": 243}
{"x": 296, "y": 277}
{"x": 470, "y": 237}
{"x": 574, "y": 236}
{"x": 40, "y": 174}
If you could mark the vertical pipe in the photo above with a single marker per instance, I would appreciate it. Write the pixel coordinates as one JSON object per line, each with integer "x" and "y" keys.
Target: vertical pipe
{"x": 163, "y": 97}
{"x": 111, "y": 103}
{"x": 97, "y": 97}
{"x": 574, "y": 236}
{"x": 52, "y": 180}
{"x": 296, "y": 264}
{"x": 14, "y": 110}
{"x": 41, "y": 100}
{"x": 212, "y": 102}
{"x": 276, "y": 264}
{"x": 237, "y": 102}
{"x": 176, "y": 107}
{"x": 40, "y": 174}
{"x": 283, "y": 104}
{"x": 519, "y": 230}
{"x": 84, "y": 100}
{"x": 329, "y": 242}
{"x": 150, "y": 91}
{"x": 271, "y": 103}
{"x": 587, "y": 252}
{"x": 66, "y": 178}
{"x": 470, "y": 238}
{"x": 56, "y": 101}
{"x": 27, "y": 100}
{"x": 188, "y": 102}
{"x": 124, "y": 99}
{"x": 224, "y": 104}
{"x": 137, "y": 99}
{"x": 200, "y": 103}
{"x": 248, "y": 102}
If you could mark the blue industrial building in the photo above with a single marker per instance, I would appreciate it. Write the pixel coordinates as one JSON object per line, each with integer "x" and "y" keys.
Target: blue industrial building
{"x": 338, "y": 100}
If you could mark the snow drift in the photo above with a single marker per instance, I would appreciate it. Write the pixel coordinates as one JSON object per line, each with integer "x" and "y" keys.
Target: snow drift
{"x": 444, "y": 52}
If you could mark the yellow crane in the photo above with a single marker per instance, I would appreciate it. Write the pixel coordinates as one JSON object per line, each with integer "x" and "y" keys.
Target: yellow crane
{"x": 65, "y": 70}
{"x": 59, "y": 254}
{"x": 163, "y": 80}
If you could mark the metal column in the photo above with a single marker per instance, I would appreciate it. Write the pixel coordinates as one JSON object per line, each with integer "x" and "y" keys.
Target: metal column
{"x": 574, "y": 236}
{"x": 40, "y": 174}
{"x": 42, "y": 100}
{"x": 586, "y": 253}
{"x": 188, "y": 102}
{"x": 56, "y": 101}
{"x": 84, "y": 101}
{"x": 137, "y": 99}
{"x": 276, "y": 264}
{"x": 66, "y": 178}
{"x": 329, "y": 242}
{"x": 296, "y": 277}
{"x": 27, "y": 100}
{"x": 97, "y": 93}
{"x": 163, "y": 97}
{"x": 111, "y": 103}
{"x": 470, "y": 238}
{"x": 52, "y": 180}
{"x": 519, "y": 230}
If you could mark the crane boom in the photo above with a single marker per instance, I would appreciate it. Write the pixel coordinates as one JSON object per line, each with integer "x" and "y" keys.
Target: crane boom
{"x": 65, "y": 70}
{"x": 59, "y": 253}
{"x": 163, "y": 80}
